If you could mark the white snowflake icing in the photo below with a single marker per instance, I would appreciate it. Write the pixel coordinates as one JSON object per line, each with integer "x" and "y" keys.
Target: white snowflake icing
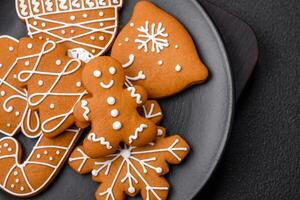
{"x": 156, "y": 36}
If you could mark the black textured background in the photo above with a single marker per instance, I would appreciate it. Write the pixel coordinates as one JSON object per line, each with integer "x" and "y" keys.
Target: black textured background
{"x": 262, "y": 158}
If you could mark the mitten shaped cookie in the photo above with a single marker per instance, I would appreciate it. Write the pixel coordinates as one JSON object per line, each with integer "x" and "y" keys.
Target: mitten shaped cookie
{"x": 158, "y": 53}
{"x": 111, "y": 109}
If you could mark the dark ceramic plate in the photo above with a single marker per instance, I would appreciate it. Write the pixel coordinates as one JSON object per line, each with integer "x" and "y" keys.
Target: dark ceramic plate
{"x": 202, "y": 114}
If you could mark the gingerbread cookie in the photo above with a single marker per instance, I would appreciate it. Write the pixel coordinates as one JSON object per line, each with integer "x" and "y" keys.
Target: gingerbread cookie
{"x": 53, "y": 81}
{"x": 28, "y": 178}
{"x": 133, "y": 170}
{"x": 15, "y": 114}
{"x": 90, "y": 25}
{"x": 158, "y": 53}
{"x": 112, "y": 109}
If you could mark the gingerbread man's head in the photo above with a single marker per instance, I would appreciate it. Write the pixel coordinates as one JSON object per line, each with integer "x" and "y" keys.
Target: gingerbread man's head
{"x": 102, "y": 74}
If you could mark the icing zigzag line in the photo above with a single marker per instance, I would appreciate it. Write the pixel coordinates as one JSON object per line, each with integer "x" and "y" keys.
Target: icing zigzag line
{"x": 101, "y": 140}
{"x": 133, "y": 94}
{"x": 137, "y": 131}
{"x": 84, "y": 106}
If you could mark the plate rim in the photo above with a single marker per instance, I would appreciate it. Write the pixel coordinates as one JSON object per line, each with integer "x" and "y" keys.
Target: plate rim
{"x": 231, "y": 99}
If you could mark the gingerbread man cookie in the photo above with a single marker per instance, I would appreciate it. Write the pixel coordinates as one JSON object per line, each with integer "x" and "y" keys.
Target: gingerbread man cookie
{"x": 53, "y": 81}
{"x": 88, "y": 25}
{"x": 15, "y": 114}
{"x": 133, "y": 170}
{"x": 158, "y": 53}
{"x": 112, "y": 109}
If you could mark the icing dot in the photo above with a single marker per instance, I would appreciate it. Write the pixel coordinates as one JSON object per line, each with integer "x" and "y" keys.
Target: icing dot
{"x": 178, "y": 68}
{"x": 47, "y": 39}
{"x": 12, "y": 185}
{"x": 111, "y": 101}
{"x": 101, "y": 24}
{"x": 78, "y": 84}
{"x": 131, "y": 190}
{"x": 27, "y": 63}
{"x": 1, "y": 65}
{"x": 58, "y": 62}
{"x": 117, "y": 125}
{"x": 97, "y": 73}
{"x": 10, "y": 109}
{"x": 176, "y": 46}
{"x": 40, "y": 82}
{"x": 22, "y": 188}
{"x": 17, "y": 113}
{"x": 16, "y": 173}
{"x": 92, "y": 37}
{"x": 72, "y": 31}
{"x": 43, "y": 24}
{"x": 114, "y": 113}
{"x": 57, "y": 152}
{"x": 40, "y": 37}
{"x": 160, "y": 62}
{"x": 29, "y": 46}
{"x": 51, "y": 158}
{"x": 126, "y": 39}
{"x": 72, "y": 18}
{"x": 38, "y": 156}
{"x": 63, "y": 32}
{"x": 131, "y": 24}
{"x": 52, "y": 106}
{"x": 159, "y": 132}
{"x": 120, "y": 44}
{"x": 101, "y": 38}
{"x": 85, "y": 15}
{"x": 93, "y": 51}
{"x": 46, "y": 152}
{"x": 8, "y": 125}
{"x": 35, "y": 23}
{"x": 112, "y": 70}
{"x": 5, "y": 145}
{"x": 17, "y": 180}
{"x": 2, "y": 93}
{"x": 101, "y": 14}
{"x": 11, "y": 48}
{"x": 15, "y": 76}
{"x": 9, "y": 149}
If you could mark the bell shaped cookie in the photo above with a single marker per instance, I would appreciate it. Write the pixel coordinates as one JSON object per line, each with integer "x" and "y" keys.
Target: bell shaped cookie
{"x": 158, "y": 53}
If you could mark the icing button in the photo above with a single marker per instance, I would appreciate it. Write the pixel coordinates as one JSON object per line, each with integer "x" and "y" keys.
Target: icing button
{"x": 111, "y": 101}
{"x": 114, "y": 113}
{"x": 117, "y": 125}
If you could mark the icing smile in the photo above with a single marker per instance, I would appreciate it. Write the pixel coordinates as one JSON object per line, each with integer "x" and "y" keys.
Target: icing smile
{"x": 107, "y": 86}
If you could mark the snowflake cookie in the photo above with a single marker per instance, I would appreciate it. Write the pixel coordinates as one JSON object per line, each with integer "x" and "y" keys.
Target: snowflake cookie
{"x": 15, "y": 113}
{"x": 90, "y": 25}
{"x": 158, "y": 53}
{"x": 111, "y": 109}
{"x": 53, "y": 81}
{"x": 133, "y": 170}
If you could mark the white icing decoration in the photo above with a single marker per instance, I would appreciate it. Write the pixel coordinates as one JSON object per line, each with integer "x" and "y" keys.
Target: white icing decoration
{"x": 44, "y": 25}
{"x": 114, "y": 113}
{"x": 160, "y": 62}
{"x": 85, "y": 15}
{"x": 27, "y": 63}
{"x": 156, "y": 37}
{"x": 117, "y": 125}
{"x": 52, "y": 106}
{"x": 150, "y": 114}
{"x": 63, "y": 32}
{"x": 72, "y": 18}
{"x": 126, "y": 39}
{"x": 11, "y": 49}
{"x": 97, "y": 73}
{"x": 101, "y": 38}
{"x": 107, "y": 86}
{"x": 92, "y": 37}
{"x": 178, "y": 68}
{"x": 40, "y": 83}
{"x": 75, "y": 4}
{"x": 160, "y": 132}
{"x": 90, "y": 3}
{"x": 132, "y": 24}
{"x": 81, "y": 54}
{"x": 58, "y": 62}
{"x": 138, "y": 130}
{"x": 111, "y": 101}
{"x": 62, "y": 4}
{"x": 36, "y": 5}
{"x": 131, "y": 59}
{"x": 78, "y": 84}
{"x": 135, "y": 95}
{"x": 49, "y": 5}
{"x": 84, "y": 106}
{"x": 3, "y": 93}
{"x": 177, "y": 46}
{"x": 29, "y": 45}
{"x": 92, "y": 137}
{"x": 101, "y": 14}
{"x": 112, "y": 70}
{"x": 23, "y": 7}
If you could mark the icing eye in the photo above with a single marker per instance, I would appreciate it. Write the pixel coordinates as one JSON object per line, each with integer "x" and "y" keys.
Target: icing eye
{"x": 112, "y": 70}
{"x": 97, "y": 73}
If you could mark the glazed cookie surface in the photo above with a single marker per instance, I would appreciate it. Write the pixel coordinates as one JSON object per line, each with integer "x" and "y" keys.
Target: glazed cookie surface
{"x": 158, "y": 53}
{"x": 112, "y": 109}
{"x": 88, "y": 25}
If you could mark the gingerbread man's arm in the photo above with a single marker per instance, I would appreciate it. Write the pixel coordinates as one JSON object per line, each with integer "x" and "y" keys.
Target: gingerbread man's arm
{"x": 81, "y": 113}
{"x": 138, "y": 94}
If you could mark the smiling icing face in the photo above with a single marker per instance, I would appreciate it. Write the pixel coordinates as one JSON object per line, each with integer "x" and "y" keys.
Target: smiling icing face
{"x": 101, "y": 75}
